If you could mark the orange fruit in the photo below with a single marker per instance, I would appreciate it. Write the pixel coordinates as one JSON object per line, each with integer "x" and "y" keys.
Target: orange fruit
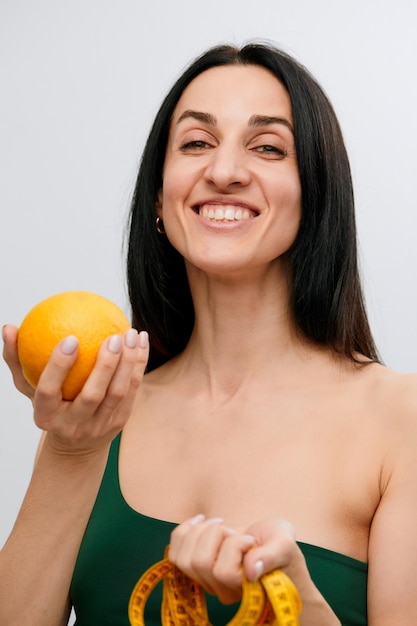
{"x": 91, "y": 318}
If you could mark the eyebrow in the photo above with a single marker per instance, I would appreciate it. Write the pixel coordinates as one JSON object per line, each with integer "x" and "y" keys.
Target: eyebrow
{"x": 255, "y": 121}
{"x": 200, "y": 116}
{"x": 266, "y": 120}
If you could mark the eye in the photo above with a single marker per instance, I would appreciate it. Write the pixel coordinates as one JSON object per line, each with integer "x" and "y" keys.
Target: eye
{"x": 270, "y": 151}
{"x": 195, "y": 145}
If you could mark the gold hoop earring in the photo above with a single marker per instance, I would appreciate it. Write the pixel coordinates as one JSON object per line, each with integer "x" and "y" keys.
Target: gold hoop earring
{"x": 160, "y": 226}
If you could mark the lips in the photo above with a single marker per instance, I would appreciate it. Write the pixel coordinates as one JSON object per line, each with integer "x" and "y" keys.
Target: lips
{"x": 225, "y": 212}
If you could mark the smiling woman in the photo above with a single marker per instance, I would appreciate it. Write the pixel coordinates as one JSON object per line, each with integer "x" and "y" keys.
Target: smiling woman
{"x": 231, "y": 196}
{"x": 326, "y": 294}
{"x": 262, "y": 416}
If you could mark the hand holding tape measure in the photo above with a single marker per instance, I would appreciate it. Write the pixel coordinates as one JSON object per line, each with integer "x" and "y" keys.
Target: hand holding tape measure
{"x": 273, "y": 600}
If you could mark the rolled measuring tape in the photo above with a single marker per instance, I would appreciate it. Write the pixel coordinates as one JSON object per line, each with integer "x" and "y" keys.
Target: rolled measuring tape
{"x": 273, "y": 600}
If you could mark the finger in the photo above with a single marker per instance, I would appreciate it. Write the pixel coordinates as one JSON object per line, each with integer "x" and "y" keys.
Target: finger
{"x": 193, "y": 543}
{"x": 184, "y": 537}
{"x": 195, "y": 547}
{"x": 130, "y": 371}
{"x": 123, "y": 387}
{"x": 10, "y": 355}
{"x": 179, "y": 534}
{"x": 227, "y": 570}
{"x": 96, "y": 386}
{"x": 275, "y": 548}
{"x": 113, "y": 390}
{"x": 48, "y": 393}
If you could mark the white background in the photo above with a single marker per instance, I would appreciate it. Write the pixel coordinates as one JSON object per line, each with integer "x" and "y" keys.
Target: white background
{"x": 80, "y": 84}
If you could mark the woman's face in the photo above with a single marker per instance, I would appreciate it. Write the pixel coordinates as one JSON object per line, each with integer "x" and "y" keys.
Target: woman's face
{"x": 231, "y": 195}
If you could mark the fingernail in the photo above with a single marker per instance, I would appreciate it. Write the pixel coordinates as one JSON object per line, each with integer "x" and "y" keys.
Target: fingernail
{"x": 115, "y": 344}
{"x": 249, "y": 538}
{"x": 215, "y": 520}
{"x": 143, "y": 339}
{"x": 69, "y": 345}
{"x": 131, "y": 338}
{"x": 3, "y": 332}
{"x": 195, "y": 520}
{"x": 259, "y": 569}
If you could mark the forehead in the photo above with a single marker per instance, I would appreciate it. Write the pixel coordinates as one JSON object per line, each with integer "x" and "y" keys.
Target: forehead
{"x": 250, "y": 89}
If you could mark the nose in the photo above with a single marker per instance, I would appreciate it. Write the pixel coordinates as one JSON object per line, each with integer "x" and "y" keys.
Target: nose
{"x": 228, "y": 167}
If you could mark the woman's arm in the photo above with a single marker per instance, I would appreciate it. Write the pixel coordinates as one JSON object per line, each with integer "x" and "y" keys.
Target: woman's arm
{"x": 37, "y": 561}
{"x": 392, "y": 583}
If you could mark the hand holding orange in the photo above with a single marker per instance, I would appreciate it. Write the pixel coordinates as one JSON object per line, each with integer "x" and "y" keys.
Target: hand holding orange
{"x": 90, "y": 317}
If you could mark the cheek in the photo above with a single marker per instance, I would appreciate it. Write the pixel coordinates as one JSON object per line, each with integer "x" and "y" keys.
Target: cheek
{"x": 286, "y": 192}
{"x": 288, "y": 207}
{"x": 175, "y": 189}
{"x": 169, "y": 193}
{"x": 180, "y": 176}
{"x": 173, "y": 199}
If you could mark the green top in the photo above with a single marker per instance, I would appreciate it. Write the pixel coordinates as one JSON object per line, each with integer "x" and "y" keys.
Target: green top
{"x": 120, "y": 544}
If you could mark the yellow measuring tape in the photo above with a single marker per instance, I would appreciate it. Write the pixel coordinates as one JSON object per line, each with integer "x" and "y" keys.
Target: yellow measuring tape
{"x": 271, "y": 601}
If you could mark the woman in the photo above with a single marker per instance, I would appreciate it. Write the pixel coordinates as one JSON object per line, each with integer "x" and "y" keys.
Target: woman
{"x": 264, "y": 419}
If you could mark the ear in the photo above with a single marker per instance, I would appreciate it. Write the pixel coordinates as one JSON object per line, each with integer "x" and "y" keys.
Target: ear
{"x": 158, "y": 204}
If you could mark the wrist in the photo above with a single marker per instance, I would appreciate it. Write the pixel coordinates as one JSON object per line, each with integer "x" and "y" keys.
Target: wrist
{"x": 75, "y": 453}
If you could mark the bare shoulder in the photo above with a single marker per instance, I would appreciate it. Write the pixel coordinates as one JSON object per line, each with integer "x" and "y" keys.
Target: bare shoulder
{"x": 394, "y": 392}
{"x": 391, "y": 398}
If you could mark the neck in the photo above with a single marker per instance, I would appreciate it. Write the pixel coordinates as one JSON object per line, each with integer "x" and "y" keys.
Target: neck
{"x": 241, "y": 328}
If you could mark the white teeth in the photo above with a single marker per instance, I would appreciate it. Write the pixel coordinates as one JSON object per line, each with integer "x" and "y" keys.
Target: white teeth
{"x": 219, "y": 213}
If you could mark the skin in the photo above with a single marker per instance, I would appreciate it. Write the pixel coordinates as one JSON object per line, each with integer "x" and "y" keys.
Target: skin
{"x": 36, "y": 564}
{"x": 253, "y": 435}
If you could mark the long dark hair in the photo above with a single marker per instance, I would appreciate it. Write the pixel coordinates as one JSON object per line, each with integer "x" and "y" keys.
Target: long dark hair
{"x": 326, "y": 298}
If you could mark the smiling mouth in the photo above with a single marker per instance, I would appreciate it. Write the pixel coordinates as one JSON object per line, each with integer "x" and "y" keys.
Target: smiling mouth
{"x": 224, "y": 213}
